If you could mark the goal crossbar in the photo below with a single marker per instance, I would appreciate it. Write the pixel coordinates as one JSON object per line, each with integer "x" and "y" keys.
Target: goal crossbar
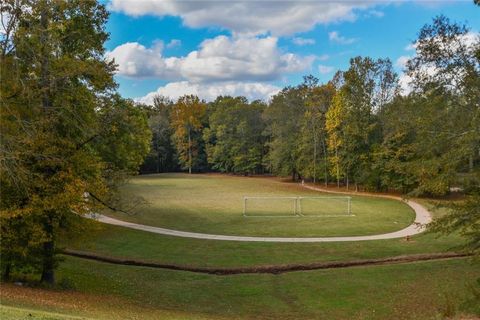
{"x": 297, "y": 208}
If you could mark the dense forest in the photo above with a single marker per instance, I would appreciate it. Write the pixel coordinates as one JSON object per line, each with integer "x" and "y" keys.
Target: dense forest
{"x": 359, "y": 130}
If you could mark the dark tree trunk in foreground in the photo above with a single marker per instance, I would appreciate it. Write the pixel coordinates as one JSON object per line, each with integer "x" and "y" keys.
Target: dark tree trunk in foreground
{"x": 48, "y": 271}
{"x": 48, "y": 252}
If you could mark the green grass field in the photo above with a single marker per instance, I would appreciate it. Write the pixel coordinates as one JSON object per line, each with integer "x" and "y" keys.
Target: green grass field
{"x": 420, "y": 290}
{"x": 427, "y": 290}
{"x": 214, "y": 204}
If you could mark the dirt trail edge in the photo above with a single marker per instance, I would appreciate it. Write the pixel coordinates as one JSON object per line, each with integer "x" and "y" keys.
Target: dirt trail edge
{"x": 272, "y": 269}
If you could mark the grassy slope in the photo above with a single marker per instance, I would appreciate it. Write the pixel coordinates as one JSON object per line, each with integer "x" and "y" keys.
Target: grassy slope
{"x": 423, "y": 290}
{"x": 213, "y": 204}
{"x": 122, "y": 242}
{"x": 408, "y": 291}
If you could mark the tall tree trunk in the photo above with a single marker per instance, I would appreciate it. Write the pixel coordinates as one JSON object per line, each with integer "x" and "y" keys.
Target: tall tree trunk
{"x": 48, "y": 270}
{"x": 314, "y": 156}
{"x": 338, "y": 167}
{"x": 325, "y": 158}
{"x": 158, "y": 156}
{"x": 189, "y": 152}
{"x": 348, "y": 182}
{"x": 48, "y": 253}
{"x": 470, "y": 163}
{"x": 7, "y": 271}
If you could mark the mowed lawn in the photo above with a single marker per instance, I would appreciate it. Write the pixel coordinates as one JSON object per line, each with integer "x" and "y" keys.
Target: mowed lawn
{"x": 213, "y": 203}
{"x": 425, "y": 290}
{"x": 419, "y": 290}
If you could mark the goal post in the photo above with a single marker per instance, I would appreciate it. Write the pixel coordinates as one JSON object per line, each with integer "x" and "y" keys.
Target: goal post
{"x": 270, "y": 207}
{"x": 325, "y": 206}
{"x": 320, "y": 206}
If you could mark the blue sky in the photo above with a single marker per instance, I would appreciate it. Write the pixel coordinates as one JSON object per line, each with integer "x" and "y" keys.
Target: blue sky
{"x": 255, "y": 48}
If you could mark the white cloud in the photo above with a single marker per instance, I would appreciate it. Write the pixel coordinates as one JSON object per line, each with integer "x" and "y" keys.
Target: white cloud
{"x": 135, "y": 60}
{"x": 209, "y": 92}
{"x": 375, "y": 13}
{"x": 323, "y": 57}
{"x": 336, "y": 37}
{"x": 219, "y": 59}
{"x": 303, "y": 41}
{"x": 402, "y": 61}
{"x": 325, "y": 69}
{"x": 410, "y": 47}
{"x": 247, "y": 17}
{"x": 405, "y": 83}
{"x": 174, "y": 43}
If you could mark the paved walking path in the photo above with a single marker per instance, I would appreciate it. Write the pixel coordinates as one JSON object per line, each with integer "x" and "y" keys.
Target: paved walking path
{"x": 422, "y": 217}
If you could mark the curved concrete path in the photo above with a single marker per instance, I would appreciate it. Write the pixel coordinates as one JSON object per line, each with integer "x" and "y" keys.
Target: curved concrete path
{"x": 422, "y": 218}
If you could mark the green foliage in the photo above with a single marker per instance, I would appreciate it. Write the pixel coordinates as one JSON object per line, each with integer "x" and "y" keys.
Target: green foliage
{"x": 312, "y": 159}
{"x": 234, "y": 140}
{"x": 188, "y": 119}
{"x": 352, "y": 124}
{"x": 465, "y": 218}
{"x": 162, "y": 156}
{"x": 283, "y": 119}
{"x": 65, "y": 133}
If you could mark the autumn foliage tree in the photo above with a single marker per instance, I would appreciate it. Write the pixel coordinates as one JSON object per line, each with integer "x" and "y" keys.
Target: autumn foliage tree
{"x": 187, "y": 119}
{"x": 67, "y": 138}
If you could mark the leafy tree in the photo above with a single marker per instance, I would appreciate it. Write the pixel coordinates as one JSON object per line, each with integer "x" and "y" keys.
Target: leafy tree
{"x": 162, "y": 157}
{"x": 284, "y": 121}
{"x": 188, "y": 117}
{"x": 234, "y": 138}
{"x": 445, "y": 79}
{"x": 59, "y": 112}
{"x": 449, "y": 126}
{"x": 365, "y": 88}
{"x": 391, "y": 158}
{"x": 313, "y": 143}
{"x": 335, "y": 117}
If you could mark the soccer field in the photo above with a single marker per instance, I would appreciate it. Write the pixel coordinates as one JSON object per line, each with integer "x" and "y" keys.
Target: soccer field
{"x": 213, "y": 203}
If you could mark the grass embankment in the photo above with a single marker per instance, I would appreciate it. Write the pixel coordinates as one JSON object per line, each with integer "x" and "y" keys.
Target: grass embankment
{"x": 127, "y": 243}
{"x": 214, "y": 203}
{"x": 425, "y": 290}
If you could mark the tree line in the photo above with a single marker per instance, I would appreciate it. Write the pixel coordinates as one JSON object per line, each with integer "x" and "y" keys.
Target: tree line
{"x": 359, "y": 130}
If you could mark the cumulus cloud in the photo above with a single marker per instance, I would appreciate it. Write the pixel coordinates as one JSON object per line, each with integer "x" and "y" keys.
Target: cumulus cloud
{"x": 402, "y": 61}
{"x": 174, "y": 43}
{"x": 325, "y": 69}
{"x": 219, "y": 59}
{"x": 209, "y": 92}
{"x": 303, "y": 41}
{"x": 135, "y": 60}
{"x": 336, "y": 37}
{"x": 247, "y": 17}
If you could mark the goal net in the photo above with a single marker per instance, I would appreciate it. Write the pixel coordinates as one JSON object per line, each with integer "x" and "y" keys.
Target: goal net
{"x": 326, "y": 206}
{"x": 270, "y": 206}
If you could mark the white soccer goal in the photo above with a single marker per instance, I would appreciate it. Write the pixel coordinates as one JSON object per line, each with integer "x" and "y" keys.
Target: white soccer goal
{"x": 326, "y": 206}
{"x": 270, "y": 206}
